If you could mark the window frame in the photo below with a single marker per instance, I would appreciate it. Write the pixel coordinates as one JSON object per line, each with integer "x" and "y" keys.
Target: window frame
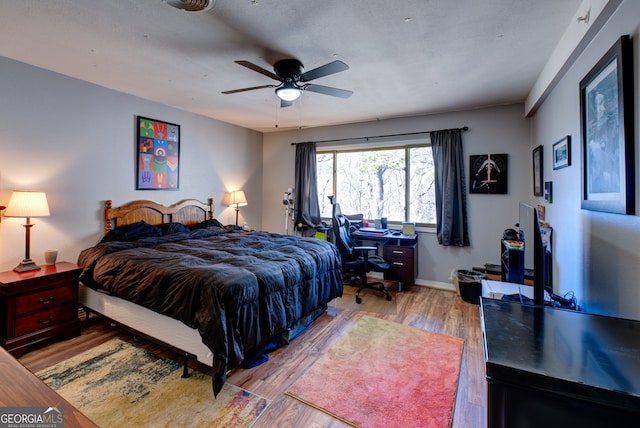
{"x": 407, "y": 154}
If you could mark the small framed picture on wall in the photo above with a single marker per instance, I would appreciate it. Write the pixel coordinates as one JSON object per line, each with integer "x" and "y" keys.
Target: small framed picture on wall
{"x": 562, "y": 153}
{"x": 537, "y": 172}
{"x": 548, "y": 192}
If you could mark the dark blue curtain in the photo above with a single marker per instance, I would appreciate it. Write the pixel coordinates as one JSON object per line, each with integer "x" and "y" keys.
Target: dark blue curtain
{"x": 451, "y": 193}
{"x": 306, "y": 190}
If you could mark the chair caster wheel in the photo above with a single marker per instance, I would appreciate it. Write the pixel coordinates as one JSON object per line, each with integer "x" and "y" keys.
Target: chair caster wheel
{"x": 358, "y": 300}
{"x": 388, "y": 297}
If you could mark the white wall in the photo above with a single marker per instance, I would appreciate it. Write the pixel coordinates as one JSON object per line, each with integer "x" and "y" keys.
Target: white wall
{"x": 491, "y": 130}
{"x": 596, "y": 255}
{"x": 75, "y": 141}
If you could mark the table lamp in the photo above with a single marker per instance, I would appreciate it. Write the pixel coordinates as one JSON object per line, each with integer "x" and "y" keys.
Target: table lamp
{"x": 235, "y": 199}
{"x": 27, "y": 204}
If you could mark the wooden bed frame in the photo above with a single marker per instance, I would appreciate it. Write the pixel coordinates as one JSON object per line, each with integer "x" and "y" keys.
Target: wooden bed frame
{"x": 143, "y": 321}
{"x": 188, "y": 212}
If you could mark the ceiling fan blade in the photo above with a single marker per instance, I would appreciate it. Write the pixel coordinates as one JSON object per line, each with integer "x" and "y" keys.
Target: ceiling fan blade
{"x": 324, "y": 70}
{"x": 327, "y": 90}
{"x": 234, "y": 91}
{"x": 259, "y": 69}
{"x": 284, "y": 103}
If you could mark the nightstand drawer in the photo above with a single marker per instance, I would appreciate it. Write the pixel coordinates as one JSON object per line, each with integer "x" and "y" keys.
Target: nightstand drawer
{"x": 44, "y": 299}
{"x": 38, "y": 321}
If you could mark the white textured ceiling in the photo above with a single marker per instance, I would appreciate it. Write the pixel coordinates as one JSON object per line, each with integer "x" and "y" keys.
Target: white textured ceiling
{"x": 406, "y": 57}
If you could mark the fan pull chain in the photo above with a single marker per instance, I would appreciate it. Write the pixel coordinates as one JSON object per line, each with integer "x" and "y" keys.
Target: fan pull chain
{"x": 300, "y": 113}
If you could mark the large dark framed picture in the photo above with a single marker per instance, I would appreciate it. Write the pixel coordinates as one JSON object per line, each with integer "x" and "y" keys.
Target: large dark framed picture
{"x": 537, "y": 172}
{"x": 606, "y": 108}
{"x": 157, "y": 154}
{"x": 488, "y": 173}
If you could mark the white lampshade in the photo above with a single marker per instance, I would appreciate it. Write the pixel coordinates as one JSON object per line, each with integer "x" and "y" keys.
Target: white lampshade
{"x": 235, "y": 199}
{"x": 27, "y": 204}
{"x": 288, "y": 92}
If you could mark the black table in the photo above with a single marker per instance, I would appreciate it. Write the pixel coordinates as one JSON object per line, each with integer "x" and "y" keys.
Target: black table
{"x": 551, "y": 367}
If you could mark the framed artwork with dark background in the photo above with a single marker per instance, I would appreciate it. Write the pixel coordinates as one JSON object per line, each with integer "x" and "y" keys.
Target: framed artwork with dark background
{"x": 488, "y": 173}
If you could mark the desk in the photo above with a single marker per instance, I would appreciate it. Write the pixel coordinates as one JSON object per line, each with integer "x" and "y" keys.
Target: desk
{"x": 550, "y": 367}
{"x": 400, "y": 250}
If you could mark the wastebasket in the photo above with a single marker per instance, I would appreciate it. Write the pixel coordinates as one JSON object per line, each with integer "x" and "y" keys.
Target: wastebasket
{"x": 470, "y": 285}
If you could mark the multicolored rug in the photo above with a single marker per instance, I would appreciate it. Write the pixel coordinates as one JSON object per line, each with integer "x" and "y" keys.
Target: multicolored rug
{"x": 118, "y": 384}
{"x": 385, "y": 374}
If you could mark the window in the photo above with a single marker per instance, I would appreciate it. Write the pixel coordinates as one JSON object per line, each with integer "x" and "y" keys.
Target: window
{"x": 395, "y": 182}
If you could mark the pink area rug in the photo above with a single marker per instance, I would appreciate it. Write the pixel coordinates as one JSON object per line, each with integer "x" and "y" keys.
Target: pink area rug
{"x": 385, "y": 374}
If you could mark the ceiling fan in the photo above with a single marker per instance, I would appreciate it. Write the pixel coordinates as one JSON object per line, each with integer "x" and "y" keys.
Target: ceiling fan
{"x": 289, "y": 72}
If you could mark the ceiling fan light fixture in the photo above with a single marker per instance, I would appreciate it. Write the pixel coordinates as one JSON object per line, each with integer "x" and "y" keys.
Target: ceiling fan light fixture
{"x": 288, "y": 92}
{"x": 192, "y": 5}
{"x": 289, "y": 72}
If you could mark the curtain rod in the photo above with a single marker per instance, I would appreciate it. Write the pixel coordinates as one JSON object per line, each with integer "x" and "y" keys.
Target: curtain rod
{"x": 465, "y": 128}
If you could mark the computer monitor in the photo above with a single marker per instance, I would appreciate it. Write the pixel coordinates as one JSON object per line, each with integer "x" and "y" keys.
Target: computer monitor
{"x": 534, "y": 249}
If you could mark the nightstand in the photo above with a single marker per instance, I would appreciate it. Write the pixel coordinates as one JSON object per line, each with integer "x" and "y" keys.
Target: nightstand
{"x": 38, "y": 305}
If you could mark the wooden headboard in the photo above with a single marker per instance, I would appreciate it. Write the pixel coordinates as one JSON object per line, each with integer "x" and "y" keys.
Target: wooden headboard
{"x": 188, "y": 212}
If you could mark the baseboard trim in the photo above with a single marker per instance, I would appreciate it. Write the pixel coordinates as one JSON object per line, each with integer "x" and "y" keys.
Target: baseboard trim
{"x": 446, "y": 286}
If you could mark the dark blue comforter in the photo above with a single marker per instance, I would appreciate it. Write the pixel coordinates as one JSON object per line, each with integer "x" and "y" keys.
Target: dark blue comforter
{"x": 239, "y": 289}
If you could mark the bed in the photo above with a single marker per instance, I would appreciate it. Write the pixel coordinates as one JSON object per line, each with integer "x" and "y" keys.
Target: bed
{"x": 217, "y": 293}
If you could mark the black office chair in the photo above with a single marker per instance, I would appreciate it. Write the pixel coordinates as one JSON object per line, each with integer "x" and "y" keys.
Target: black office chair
{"x": 356, "y": 259}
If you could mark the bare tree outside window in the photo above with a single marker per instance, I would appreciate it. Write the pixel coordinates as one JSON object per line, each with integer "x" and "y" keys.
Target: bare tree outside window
{"x": 324, "y": 171}
{"x": 422, "y": 206}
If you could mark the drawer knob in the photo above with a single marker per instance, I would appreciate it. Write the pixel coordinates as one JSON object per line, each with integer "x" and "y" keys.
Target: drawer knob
{"x": 398, "y": 263}
{"x": 45, "y": 302}
{"x": 398, "y": 252}
{"x": 47, "y": 321}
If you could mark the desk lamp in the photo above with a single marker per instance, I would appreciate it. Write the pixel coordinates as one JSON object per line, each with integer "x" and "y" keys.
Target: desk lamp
{"x": 27, "y": 204}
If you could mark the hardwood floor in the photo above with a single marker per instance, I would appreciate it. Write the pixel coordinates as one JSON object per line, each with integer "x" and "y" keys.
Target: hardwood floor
{"x": 425, "y": 308}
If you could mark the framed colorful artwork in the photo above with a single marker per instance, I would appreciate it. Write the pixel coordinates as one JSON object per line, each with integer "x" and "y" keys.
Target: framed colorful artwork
{"x": 488, "y": 173}
{"x": 157, "y": 154}
{"x": 541, "y": 212}
{"x": 607, "y": 125}
{"x": 537, "y": 171}
{"x": 548, "y": 192}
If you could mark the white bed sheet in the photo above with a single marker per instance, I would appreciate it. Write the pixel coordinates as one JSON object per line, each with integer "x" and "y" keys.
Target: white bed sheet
{"x": 145, "y": 321}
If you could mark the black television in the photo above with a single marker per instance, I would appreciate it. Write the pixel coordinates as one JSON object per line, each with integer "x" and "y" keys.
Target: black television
{"x": 534, "y": 250}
